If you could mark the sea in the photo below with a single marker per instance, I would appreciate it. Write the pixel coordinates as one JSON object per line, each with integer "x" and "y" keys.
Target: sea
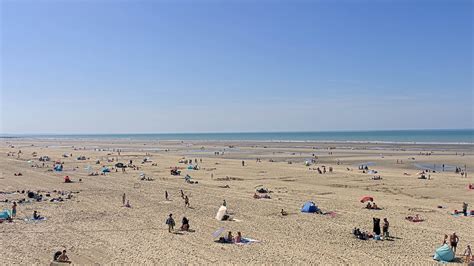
{"x": 445, "y": 136}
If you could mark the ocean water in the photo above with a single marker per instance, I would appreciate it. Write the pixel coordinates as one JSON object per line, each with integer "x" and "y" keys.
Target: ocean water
{"x": 455, "y": 136}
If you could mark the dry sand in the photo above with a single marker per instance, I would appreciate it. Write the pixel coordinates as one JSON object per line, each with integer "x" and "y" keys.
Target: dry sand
{"x": 95, "y": 228}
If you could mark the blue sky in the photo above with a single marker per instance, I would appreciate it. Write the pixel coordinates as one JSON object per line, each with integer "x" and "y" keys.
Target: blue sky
{"x": 209, "y": 66}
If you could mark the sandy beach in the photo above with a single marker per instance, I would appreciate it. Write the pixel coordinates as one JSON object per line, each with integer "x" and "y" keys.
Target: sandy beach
{"x": 94, "y": 227}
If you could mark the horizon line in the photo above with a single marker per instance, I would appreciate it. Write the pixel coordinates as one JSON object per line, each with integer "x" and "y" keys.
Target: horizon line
{"x": 235, "y": 132}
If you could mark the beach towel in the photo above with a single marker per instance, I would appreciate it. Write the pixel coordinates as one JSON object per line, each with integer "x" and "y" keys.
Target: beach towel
{"x": 246, "y": 241}
{"x": 460, "y": 214}
{"x": 32, "y": 220}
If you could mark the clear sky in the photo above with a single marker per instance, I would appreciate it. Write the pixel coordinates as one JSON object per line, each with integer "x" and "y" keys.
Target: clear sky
{"x": 210, "y": 66}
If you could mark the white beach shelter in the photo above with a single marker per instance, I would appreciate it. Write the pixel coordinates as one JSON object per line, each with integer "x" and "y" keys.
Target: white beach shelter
{"x": 221, "y": 212}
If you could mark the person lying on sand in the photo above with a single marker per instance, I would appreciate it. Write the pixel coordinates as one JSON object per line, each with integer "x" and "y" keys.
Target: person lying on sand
{"x": 414, "y": 219}
{"x": 283, "y": 213}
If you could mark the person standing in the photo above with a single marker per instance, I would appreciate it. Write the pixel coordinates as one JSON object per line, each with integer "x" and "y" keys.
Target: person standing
{"x": 464, "y": 208}
{"x": 124, "y": 199}
{"x": 376, "y": 226}
{"x": 170, "y": 222}
{"x": 385, "y": 228}
{"x": 14, "y": 209}
{"x": 166, "y": 195}
{"x": 467, "y": 254}
{"x": 454, "y": 240}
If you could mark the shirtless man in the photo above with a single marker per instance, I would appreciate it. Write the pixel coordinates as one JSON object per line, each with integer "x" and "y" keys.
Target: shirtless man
{"x": 63, "y": 257}
{"x": 454, "y": 239}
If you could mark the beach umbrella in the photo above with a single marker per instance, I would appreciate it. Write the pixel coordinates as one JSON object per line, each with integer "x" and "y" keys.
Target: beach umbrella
{"x": 218, "y": 232}
{"x": 366, "y": 198}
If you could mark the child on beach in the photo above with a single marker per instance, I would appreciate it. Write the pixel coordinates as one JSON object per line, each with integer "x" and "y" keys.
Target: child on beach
{"x": 170, "y": 222}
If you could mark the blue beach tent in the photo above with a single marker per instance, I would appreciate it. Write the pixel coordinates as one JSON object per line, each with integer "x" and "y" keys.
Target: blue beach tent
{"x": 444, "y": 253}
{"x": 310, "y": 207}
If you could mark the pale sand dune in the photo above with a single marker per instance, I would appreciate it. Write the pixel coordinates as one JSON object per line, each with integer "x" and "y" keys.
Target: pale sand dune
{"x": 94, "y": 228}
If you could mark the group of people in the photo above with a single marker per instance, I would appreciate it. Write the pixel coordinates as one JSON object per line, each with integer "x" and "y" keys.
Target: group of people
{"x": 231, "y": 239}
{"x": 171, "y": 223}
{"x": 379, "y": 233}
{"x": 372, "y": 206}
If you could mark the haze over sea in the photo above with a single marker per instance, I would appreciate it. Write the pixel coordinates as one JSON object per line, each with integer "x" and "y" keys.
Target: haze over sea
{"x": 454, "y": 136}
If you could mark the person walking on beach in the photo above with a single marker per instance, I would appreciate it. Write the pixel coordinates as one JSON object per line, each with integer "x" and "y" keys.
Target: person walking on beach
{"x": 170, "y": 222}
{"x": 454, "y": 240}
{"x": 186, "y": 201}
{"x": 182, "y": 193}
{"x": 166, "y": 195}
{"x": 243, "y": 163}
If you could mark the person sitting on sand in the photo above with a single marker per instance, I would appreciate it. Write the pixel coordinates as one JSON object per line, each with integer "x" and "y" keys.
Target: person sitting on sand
{"x": 63, "y": 257}
{"x": 67, "y": 179}
{"x": 185, "y": 224}
{"x": 238, "y": 238}
{"x": 283, "y": 213}
{"x": 128, "y": 204}
{"x": 255, "y": 196}
{"x": 369, "y": 206}
{"x": 375, "y": 207}
{"x": 230, "y": 238}
{"x": 36, "y": 216}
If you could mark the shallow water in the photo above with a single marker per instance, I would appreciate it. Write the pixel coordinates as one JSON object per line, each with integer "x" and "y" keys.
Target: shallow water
{"x": 435, "y": 167}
